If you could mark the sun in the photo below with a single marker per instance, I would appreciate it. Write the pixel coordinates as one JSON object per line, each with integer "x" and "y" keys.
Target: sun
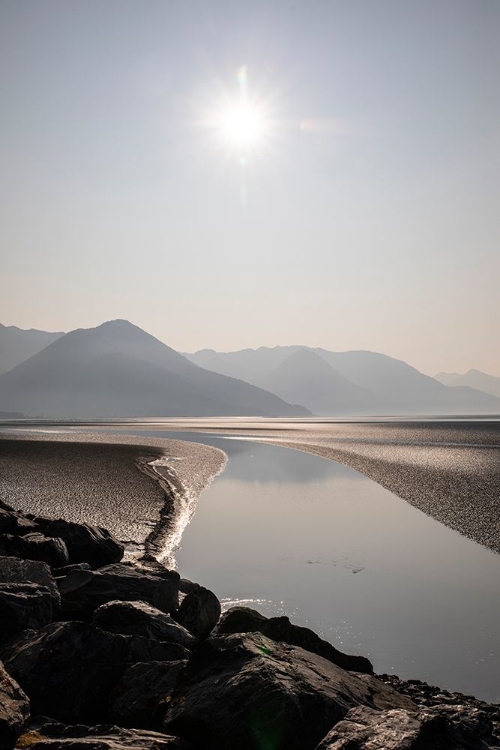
{"x": 242, "y": 125}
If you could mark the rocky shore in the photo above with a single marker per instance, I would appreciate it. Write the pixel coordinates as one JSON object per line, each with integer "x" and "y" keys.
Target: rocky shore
{"x": 101, "y": 654}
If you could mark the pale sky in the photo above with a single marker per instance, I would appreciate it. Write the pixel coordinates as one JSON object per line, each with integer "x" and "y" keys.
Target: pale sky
{"x": 366, "y": 217}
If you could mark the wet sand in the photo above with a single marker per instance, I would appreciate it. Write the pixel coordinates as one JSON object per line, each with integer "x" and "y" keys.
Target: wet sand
{"x": 108, "y": 480}
{"x": 448, "y": 469}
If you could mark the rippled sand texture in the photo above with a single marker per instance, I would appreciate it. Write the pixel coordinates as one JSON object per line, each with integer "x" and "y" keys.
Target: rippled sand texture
{"x": 449, "y": 470}
{"x": 98, "y": 479}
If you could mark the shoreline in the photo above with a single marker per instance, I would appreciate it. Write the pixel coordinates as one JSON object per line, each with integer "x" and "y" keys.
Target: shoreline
{"x": 114, "y": 483}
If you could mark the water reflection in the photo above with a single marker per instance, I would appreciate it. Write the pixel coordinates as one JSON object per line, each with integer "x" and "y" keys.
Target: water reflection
{"x": 296, "y": 533}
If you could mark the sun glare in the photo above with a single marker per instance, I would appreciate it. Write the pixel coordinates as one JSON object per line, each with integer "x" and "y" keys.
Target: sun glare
{"x": 242, "y": 125}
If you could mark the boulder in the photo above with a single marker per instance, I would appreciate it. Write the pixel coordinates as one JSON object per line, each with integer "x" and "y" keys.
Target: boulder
{"x": 140, "y": 698}
{"x": 82, "y": 592}
{"x": 67, "y": 569}
{"x": 12, "y": 522}
{"x": 246, "y": 620}
{"x": 23, "y": 605}
{"x": 14, "y": 710}
{"x": 438, "y": 728}
{"x": 85, "y": 543}
{"x": 140, "y": 618}
{"x": 199, "y": 612}
{"x": 35, "y": 546}
{"x": 48, "y": 735}
{"x": 247, "y": 691}
{"x": 68, "y": 669}
{"x": 13, "y": 570}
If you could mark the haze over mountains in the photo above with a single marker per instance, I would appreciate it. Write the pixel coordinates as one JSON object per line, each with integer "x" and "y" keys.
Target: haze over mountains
{"x": 472, "y": 378}
{"x": 16, "y": 345}
{"x": 119, "y": 370}
{"x": 378, "y": 384}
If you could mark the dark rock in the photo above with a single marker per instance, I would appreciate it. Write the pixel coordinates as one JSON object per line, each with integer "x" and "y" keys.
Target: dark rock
{"x": 246, "y": 620}
{"x": 68, "y": 669}
{"x": 85, "y": 543}
{"x": 247, "y": 691}
{"x": 13, "y": 570}
{"x": 83, "y": 591}
{"x": 48, "y": 735}
{"x": 12, "y": 522}
{"x": 141, "y": 696}
{"x": 439, "y": 728}
{"x": 140, "y": 618}
{"x": 14, "y": 710}
{"x": 199, "y": 612}
{"x": 23, "y": 605}
{"x": 35, "y": 547}
{"x": 67, "y": 569}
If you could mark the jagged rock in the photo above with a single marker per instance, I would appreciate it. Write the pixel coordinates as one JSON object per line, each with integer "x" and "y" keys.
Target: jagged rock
{"x": 48, "y": 735}
{"x": 241, "y": 690}
{"x": 68, "y": 669}
{"x": 246, "y": 620}
{"x": 199, "y": 612}
{"x": 83, "y": 591}
{"x": 140, "y": 618}
{"x": 439, "y": 728}
{"x": 13, "y": 570}
{"x": 85, "y": 543}
{"x": 35, "y": 546}
{"x": 23, "y": 605}
{"x": 14, "y": 710}
{"x": 67, "y": 569}
{"x": 12, "y": 522}
{"x": 140, "y": 697}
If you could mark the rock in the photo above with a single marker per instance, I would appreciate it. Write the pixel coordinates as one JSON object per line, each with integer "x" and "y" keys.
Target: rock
{"x": 13, "y": 570}
{"x": 199, "y": 612}
{"x": 68, "y": 669}
{"x": 67, "y": 569}
{"x": 439, "y": 728}
{"x": 247, "y": 691}
{"x": 140, "y": 697}
{"x": 83, "y": 592}
{"x": 35, "y": 546}
{"x": 14, "y": 710}
{"x": 140, "y": 618}
{"x": 48, "y": 735}
{"x": 366, "y": 729}
{"x": 246, "y": 620}
{"x": 23, "y": 605}
{"x": 85, "y": 543}
{"x": 15, "y": 523}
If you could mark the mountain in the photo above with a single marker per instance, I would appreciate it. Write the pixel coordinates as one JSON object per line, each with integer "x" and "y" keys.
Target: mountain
{"x": 395, "y": 386}
{"x": 473, "y": 378}
{"x": 17, "y": 345}
{"x": 306, "y": 378}
{"x": 119, "y": 370}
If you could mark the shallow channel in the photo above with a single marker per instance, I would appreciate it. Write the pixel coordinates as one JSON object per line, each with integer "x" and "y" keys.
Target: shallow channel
{"x": 290, "y": 533}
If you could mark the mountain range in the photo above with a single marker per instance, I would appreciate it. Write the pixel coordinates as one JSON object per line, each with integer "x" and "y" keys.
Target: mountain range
{"x": 473, "y": 378}
{"x": 119, "y": 370}
{"x": 356, "y": 383}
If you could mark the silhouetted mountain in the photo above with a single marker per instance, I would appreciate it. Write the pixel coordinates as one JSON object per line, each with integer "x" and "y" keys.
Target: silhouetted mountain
{"x": 474, "y": 379}
{"x": 306, "y": 378}
{"x": 17, "y": 345}
{"x": 399, "y": 388}
{"x": 117, "y": 370}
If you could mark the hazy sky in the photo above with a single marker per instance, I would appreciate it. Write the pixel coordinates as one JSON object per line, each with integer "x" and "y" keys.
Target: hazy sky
{"x": 367, "y": 216}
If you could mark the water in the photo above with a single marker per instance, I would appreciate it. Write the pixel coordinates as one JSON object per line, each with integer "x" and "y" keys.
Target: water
{"x": 288, "y": 532}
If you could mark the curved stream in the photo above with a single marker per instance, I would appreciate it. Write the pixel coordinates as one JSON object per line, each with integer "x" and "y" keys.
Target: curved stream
{"x": 291, "y": 533}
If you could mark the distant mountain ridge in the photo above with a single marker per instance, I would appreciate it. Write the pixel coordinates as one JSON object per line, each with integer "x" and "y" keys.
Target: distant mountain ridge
{"x": 474, "y": 379}
{"x": 391, "y": 386}
{"x": 117, "y": 369}
{"x": 17, "y": 344}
